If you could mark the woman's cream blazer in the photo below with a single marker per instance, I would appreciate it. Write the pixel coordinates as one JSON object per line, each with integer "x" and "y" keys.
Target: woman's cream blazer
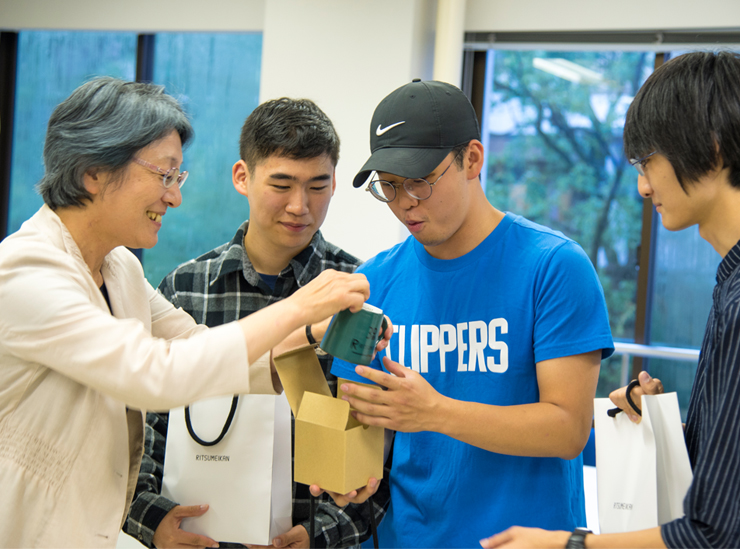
{"x": 74, "y": 382}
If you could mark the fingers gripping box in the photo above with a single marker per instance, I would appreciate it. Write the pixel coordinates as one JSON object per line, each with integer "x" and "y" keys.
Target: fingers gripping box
{"x": 332, "y": 448}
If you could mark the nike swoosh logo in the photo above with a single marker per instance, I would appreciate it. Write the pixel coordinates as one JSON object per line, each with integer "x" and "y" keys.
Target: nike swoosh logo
{"x": 380, "y": 131}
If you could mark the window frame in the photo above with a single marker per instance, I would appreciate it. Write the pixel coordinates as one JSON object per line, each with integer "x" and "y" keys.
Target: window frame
{"x": 8, "y": 71}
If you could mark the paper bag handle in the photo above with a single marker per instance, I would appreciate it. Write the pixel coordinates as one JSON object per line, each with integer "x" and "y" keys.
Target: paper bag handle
{"x": 225, "y": 430}
{"x": 614, "y": 411}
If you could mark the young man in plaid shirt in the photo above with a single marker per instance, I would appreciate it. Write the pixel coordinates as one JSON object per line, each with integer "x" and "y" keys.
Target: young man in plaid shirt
{"x": 289, "y": 150}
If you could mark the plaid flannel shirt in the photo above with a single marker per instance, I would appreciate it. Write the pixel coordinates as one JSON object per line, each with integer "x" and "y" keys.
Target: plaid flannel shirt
{"x": 219, "y": 287}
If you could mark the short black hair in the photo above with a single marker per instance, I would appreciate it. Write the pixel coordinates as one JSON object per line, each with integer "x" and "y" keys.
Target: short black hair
{"x": 294, "y": 128}
{"x": 459, "y": 152}
{"x": 688, "y": 110}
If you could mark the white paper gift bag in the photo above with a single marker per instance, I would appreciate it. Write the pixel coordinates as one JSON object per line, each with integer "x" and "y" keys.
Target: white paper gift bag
{"x": 243, "y": 474}
{"x": 642, "y": 470}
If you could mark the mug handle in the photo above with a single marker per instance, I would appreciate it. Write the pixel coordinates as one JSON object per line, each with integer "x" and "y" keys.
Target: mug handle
{"x": 383, "y": 328}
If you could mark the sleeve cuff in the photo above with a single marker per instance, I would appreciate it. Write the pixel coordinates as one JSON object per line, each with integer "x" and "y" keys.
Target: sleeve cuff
{"x": 146, "y": 512}
{"x": 320, "y": 537}
{"x": 260, "y": 376}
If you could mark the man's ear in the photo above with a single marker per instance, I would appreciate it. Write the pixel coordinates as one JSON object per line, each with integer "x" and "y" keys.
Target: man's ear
{"x": 240, "y": 177}
{"x": 473, "y": 162}
{"x": 334, "y": 181}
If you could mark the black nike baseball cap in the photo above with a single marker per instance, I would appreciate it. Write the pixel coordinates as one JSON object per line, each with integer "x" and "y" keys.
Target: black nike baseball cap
{"x": 415, "y": 127}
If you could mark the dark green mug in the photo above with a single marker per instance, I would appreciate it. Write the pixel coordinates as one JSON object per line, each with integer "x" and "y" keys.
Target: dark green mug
{"x": 353, "y": 336}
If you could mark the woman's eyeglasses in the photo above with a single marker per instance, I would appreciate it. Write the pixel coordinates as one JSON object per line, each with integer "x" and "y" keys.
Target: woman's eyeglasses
{"x": 169, "y": 177}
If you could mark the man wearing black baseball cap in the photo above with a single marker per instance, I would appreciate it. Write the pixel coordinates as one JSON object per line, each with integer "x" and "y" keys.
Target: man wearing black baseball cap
{"x": 500, "y": 325}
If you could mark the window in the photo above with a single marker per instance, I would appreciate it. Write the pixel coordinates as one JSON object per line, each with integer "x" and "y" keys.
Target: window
{"x": 552, "y": 128}
{"x": 50, "y": 66}
{"x": 218, "y": 92}
{"x": 552, "y": 121}
{"x": 214, "y": 76}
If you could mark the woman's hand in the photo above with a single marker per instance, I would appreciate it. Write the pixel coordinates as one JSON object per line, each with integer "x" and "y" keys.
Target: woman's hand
{"x": 327, "y": 294}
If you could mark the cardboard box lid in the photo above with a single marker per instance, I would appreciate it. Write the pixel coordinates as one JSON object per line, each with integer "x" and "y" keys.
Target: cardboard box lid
{"x": 325, "y": 411}
{"x": 300, "y": 372}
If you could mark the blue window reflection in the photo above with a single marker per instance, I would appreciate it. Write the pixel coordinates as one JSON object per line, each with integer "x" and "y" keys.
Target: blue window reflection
{"x": 51, "y": 64}
{"x": 216, "y": 78}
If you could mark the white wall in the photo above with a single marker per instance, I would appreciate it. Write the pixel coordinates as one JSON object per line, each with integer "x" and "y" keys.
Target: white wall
{"x": 133, "y": 15}
{"x": 481, "y": 15}
{"x": 348, "y": 54}
{"x": 582, "y": 15}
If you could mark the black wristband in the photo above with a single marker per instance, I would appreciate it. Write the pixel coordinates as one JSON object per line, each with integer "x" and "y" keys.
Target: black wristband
{"x": 309, "y": 335}
{"x": 577, "y": 539}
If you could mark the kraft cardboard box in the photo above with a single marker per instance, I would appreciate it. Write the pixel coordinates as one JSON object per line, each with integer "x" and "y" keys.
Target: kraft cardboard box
{"x": 332, "y": 448}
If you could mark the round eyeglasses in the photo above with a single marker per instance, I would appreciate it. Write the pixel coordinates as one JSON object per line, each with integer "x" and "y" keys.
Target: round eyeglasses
{"x": 638, "y": 163}
{"x": 417, "y": 188}
{"x": 169, "y": 177}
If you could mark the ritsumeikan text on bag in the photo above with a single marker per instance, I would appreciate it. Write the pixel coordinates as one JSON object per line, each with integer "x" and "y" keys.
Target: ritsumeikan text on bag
{"x": 234, "y": 454}
{"x": 642, "y": 470}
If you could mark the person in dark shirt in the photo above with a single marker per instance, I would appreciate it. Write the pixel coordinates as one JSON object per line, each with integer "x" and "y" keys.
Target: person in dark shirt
{"x": 289, "y": 150}
{"x": 682, "y": 134}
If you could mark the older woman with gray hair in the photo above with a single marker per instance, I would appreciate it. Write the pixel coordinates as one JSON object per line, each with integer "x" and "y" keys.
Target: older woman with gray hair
{"x": 86, "y": 344}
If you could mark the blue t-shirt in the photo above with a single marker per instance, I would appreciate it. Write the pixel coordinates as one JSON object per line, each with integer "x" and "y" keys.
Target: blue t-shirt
{"x": 475, "y": 327}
